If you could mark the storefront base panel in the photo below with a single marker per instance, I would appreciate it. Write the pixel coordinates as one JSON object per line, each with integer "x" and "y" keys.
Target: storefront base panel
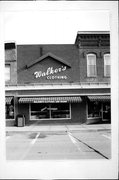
{"x": 51, "y": 122}
{"x": 94, "y": 121}
{"x": 10, "y": 123}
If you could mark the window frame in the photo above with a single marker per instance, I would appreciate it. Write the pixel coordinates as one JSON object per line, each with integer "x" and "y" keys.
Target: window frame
{"x": 6, "y": 66}
{"x": 7, "y": 109}
{"x": 88, "y": 65}
{"x": 48, "y": 119}
{"x": 105, "y": 65}
{"x": 93, "y": 104}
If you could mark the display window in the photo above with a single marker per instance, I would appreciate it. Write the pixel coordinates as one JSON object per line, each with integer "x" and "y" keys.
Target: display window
{"x": 50, "y": 111}
{"x": 94, "y": 109}
{"x": 9, "y": 110}
{"x": 99, "y": 110}
{"x": 106, "y": 110}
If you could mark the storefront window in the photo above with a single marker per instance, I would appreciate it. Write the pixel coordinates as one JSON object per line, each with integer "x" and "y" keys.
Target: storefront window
{"x": 49, "y": 111}
{"x": 60, "y": 111}
{"x": 106, "y": 110}
{"x": 9, "y": 110}
{"x": 94, "y": 109}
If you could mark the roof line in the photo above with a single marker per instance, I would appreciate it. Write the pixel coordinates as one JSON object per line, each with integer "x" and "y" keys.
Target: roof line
{"x": 46, "y": 55}
{"x": 93, "y": 32}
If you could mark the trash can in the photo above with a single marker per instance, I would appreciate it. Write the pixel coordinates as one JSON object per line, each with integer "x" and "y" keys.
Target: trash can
{"x": 20, "y": 120}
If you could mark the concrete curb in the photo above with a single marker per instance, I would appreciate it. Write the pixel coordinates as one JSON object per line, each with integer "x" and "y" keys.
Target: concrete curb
{"x": 60, "y": 128}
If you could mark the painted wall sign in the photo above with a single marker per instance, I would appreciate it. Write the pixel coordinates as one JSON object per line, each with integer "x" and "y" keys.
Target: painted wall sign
{"x": 51, "y": 71}
{"x": 56, "y": 77}
{"x": 50, "y": 102}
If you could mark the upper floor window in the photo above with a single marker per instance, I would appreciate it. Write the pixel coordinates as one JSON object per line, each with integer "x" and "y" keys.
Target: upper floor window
{"x": 7, "y": 72}
{"x": 91, "y": 65}
{"x": 107, "y": 65}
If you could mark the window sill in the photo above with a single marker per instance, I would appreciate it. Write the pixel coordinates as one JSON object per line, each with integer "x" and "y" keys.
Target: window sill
{"x": 94, "y": 117}
{"x": 91, "y": 76}
{"x": 48, "y": 119}
{"x": 107, "y": 76}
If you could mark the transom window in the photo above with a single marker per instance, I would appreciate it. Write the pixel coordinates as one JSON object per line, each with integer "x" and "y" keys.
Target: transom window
{"x": 91, "y": 65}
{"x": 49, "y": 111}
{"x": 7, "y": 72}
{"x": 107, "y": 65}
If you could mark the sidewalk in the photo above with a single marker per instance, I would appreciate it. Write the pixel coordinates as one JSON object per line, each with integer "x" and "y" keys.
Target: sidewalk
{"x": 61, "y": 128}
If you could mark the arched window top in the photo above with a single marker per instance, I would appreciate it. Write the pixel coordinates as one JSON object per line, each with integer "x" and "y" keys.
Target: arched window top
{"x": 107, "y": 59}
{"x": 91, "y": 54}
{"x": 107, "y": 55}
{"x": 91, "y": 65}
{"x": 91, "y": 59}
{"x": 107, "y": 65}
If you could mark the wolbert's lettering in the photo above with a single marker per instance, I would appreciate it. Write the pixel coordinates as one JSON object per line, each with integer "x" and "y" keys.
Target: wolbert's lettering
{"x": 49, "y": 71}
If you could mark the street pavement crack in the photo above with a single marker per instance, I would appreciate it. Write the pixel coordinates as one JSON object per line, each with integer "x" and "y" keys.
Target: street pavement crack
{"x": 75, "y": 139}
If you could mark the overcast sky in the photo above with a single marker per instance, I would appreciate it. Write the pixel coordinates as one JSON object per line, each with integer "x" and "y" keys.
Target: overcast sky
{"x": 52, "y": 26}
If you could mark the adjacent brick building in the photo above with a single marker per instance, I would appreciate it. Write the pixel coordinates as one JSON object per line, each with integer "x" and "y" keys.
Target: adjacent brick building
{"x": 61, "y": 82}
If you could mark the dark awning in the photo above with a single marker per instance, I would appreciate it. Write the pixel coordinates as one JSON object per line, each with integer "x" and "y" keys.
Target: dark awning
{"x": 51, "y": 99}
{"x": 8, "y": 100}
{"x": 99, "y": 98}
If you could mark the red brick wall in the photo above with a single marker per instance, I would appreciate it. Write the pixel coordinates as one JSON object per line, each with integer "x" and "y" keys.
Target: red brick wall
{"x": 27, "y": 54}
{"x": 78, "y": 112}
{"x": 99, "y": 64}
{"x": 13, "y": 72}
{"x": 69, "y": 53}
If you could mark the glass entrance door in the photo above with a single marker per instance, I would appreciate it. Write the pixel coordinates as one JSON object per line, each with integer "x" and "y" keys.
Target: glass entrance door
{"x": 106, "y": 111}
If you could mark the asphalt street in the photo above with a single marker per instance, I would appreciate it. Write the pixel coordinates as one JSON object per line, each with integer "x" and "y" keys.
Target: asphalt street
{"x": 30, "y": 145}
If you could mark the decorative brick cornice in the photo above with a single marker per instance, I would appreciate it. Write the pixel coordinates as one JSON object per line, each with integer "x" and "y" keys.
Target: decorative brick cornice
{"x": 91, "y": 39}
